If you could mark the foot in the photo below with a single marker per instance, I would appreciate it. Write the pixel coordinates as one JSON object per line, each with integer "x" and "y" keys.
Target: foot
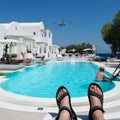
{"x": 95, "y": 101}
{"x": 64, "y": 114}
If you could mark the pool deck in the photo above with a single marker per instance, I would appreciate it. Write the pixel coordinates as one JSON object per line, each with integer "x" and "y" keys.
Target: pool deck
{"x": 15, "y": 107}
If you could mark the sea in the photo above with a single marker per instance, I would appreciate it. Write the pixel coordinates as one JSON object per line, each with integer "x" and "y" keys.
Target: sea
{"x": 106, "y": 55}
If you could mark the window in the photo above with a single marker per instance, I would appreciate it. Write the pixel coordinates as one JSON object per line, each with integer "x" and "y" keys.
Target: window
{"x": 34, "y": 33}
{"x": 15, "y": 28}
{"x": 49, "y": 34}
{"x": 44, "y": 50}
{"x": 40, "y": 49}
{"x": 45, "y": 34}
{"x": 28, "y": 48}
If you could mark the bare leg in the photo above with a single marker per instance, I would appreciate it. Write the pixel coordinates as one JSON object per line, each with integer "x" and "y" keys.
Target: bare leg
{"x": 97, "y": 115}
{"x": 64, "y": 115}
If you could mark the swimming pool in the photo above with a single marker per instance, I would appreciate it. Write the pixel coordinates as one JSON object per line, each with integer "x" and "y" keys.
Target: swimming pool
{"x": 43, "y": 80}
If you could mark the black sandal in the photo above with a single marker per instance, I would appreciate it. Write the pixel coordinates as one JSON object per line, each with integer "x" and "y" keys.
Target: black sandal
{"x": 92, "y": 109}
{"x": 70, "y": 110}
{"x": 64, "y": 108}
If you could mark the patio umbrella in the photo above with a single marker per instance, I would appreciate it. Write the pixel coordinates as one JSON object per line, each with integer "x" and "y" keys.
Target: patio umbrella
{"x": 87, "y": 49}
{"x": 10, "y": 41}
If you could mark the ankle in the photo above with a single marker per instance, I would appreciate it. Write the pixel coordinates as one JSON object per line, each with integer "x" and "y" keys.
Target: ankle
{"x": 65, "y": 115}
{"x": 98, "y": 115}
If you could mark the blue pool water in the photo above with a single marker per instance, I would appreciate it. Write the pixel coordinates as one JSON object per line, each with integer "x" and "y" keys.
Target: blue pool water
{"x": 43, "y": 81}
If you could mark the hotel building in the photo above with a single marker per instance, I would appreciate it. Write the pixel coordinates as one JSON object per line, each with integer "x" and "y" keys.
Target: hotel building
{"x": 29, "y": 38}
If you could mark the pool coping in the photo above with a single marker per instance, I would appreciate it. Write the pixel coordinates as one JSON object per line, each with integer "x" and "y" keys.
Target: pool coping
{"x": 15, "y": 111}
{"x": 49, "y": 103}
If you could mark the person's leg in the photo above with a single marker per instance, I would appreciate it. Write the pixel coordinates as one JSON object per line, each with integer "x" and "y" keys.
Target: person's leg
{"x": 96, "y": 101}
{"x": 63, "y": 100}
{"x": 64, "y": 115}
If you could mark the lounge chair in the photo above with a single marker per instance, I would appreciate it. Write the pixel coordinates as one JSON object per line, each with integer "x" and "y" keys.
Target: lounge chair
{"x": 113, "y": 62}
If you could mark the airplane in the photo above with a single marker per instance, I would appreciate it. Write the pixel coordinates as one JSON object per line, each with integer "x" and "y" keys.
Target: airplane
{"x": 62, "y": 23}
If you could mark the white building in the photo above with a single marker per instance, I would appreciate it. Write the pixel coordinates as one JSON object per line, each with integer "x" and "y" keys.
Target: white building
{"x": 34, "y": 37}
{"x": 55, "y": 51}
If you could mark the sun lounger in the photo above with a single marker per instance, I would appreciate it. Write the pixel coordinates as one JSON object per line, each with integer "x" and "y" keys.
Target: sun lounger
{"x": 113, "y": 62}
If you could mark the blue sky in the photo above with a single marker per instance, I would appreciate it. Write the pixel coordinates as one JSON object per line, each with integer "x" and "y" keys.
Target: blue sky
{"x": 85, "y": 17}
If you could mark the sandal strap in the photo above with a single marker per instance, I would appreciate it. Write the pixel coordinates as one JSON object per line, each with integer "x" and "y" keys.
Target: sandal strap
{"x": 93, "y": 109}
{"x": 61, "y": 97}
{"x": 67, "y": 109}
{"x": 97, "y": 108}
{"x": 96, "y": 95}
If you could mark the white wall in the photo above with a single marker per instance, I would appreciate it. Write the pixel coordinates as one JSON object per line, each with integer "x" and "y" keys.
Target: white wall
{"x": 14, "y": 29}
{"x": 2, "y": 32}
{"x": 29, "y": 28}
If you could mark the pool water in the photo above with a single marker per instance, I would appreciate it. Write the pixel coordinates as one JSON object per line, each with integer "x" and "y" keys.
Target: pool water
{"x": 44, "y": 80}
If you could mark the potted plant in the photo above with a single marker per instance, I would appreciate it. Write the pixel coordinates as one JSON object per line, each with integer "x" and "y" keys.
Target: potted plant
{"x": 13, "y": 55}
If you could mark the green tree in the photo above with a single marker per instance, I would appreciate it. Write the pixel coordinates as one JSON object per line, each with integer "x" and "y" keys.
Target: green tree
{"x": 70, "y": 47}
{"x": 116, "y": 30}
{"x": 111, "y": 34}
{"x": 6, "y": 50}
{"x": 79, "y": 47}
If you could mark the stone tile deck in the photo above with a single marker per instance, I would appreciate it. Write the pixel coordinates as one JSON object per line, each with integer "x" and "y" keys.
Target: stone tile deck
{"x": 10, "y": 67}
